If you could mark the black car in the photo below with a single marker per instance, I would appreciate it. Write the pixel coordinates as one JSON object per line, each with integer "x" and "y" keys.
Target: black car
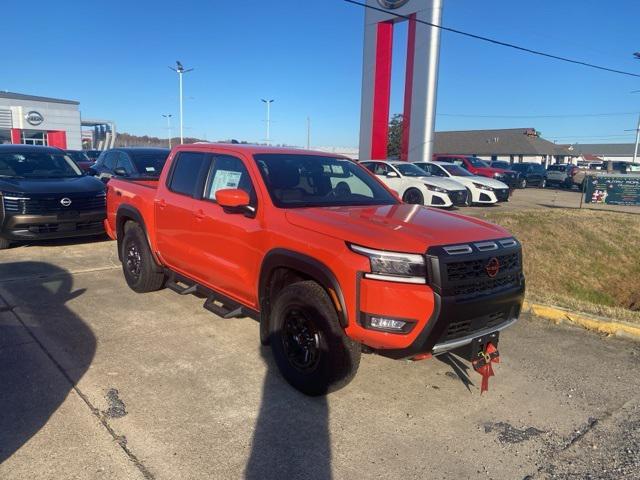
{"x": 43, "y": 194}
{"x": 130, "y": 162}
{"x": 530, "y": 174}
{"x": 92, "y": 154}
{"x": 503, "y": 164}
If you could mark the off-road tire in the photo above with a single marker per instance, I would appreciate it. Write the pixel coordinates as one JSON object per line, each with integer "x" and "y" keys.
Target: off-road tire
{"x": 149, "y": 277}
{"x": 4, "y": 243}
{"x": 338, "y": 356}
{"x": 413, "y": 196}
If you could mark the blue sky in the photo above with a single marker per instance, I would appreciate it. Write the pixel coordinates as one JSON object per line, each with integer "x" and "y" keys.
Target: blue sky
{"x": 306, "y": 54}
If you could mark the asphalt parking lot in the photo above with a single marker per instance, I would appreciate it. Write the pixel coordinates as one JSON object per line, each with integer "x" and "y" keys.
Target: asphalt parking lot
{"x": 99, "y": 382}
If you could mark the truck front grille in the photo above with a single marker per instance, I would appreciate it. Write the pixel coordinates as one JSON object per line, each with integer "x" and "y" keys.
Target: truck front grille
{"x": 51, "y": 205}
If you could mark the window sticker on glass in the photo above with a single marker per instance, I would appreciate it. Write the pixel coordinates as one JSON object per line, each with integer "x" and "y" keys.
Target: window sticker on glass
{"x": 150, "y": 169}
{"x": 224, "y": 179}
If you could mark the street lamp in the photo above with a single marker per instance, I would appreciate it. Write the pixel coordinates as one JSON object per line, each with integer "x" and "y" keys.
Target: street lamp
{"x": 168, "y": 117}
{"x": 180, "y": 70}
{"x": 268, "y": 103}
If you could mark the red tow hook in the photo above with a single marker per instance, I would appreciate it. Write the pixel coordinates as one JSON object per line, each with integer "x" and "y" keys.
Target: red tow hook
{"x": 482, "y": 365}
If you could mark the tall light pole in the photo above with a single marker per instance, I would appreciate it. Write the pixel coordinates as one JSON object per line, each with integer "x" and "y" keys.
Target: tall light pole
{"x": 168, "y": 117}
{"x": 308, "y": 133}
{"x": 635, "y": 151}
{"x": 268, "y": 103}
{"x": 180, "y": 70}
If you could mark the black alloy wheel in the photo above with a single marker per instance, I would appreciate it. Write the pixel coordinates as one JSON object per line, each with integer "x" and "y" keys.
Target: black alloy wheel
{"x": 301, "y": 341}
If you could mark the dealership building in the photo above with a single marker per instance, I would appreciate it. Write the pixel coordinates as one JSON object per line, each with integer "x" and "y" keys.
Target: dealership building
{"x": 33, "y": 120}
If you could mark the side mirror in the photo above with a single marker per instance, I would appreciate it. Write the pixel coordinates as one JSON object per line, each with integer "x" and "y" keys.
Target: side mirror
{"x": 392, "y": 175}
{"x": 234, "y": 200}
{"x": 119, "y": 171}
{"x": 91, "y": 171}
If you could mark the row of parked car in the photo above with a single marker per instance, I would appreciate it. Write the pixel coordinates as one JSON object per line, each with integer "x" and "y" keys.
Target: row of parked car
{"x": 47, "y": 192}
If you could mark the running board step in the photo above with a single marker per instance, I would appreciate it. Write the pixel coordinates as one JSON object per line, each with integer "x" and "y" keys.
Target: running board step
{"x": 180, "y": 287}
{"x": 224, "y": 309}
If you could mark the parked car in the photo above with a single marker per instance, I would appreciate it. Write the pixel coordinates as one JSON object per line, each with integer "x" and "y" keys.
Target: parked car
{"x": 43, "y": 194}
{"x": 530, "y": 174}
{"x": 502, "y": 164}
{"x": 416, "y": 186}
{"x": 92, "y": 154}
{"x": 318, "y": 250}
{"x": 81, "y": 159}
{"x": 479, "y": 167}
{"x": 561, "y": 174}
{"x": 130, "y": 162}
{"x": 482, "y": 190}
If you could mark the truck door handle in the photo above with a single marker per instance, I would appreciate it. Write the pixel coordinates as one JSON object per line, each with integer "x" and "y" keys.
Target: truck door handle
{"x": 200, "y": 215}
{"x": 118, "y": 193}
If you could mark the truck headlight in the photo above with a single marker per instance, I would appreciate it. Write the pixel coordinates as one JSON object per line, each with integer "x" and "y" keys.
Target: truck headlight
{"x": 394, "y": 266}
{"x": 483, "y": 187}
{"x": 436, "y": 189}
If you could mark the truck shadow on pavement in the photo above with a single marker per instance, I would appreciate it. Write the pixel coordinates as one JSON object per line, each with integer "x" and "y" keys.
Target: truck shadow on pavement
{"x": 291, "y": 437}
{"x": 44, "y": 349}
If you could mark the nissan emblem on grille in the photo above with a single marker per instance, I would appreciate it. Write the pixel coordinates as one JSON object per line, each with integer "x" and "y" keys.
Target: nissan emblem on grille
{"x": 392, "y": 4}
{"x": 493, "y": 267}
{"x": 65, "y": 202}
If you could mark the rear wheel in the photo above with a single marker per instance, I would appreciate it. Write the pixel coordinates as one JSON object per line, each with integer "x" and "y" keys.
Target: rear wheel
{"x": 543, "y": 183}
{"x": 523, "y": 183}
{"x": 413, "y": 196}
{"x": 469, "y": 201}
{"x": 140, "y": 269}
{"x": 4, "y": 243}
{"x": 309, "y": 346}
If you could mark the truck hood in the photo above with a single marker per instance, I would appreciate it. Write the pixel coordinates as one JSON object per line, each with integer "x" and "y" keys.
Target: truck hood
{"x": 44, "y": 186}
{"x": 403, "y": 227}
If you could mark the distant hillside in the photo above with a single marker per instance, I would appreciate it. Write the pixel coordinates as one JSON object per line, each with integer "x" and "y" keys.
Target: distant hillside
{"x": 128, "y": 140}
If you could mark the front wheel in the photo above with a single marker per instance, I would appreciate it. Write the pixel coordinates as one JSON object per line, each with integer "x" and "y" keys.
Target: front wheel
{"x": 543, "y": 183}
{"x": 140, "y": 269}
{"x": 523, "y": 183}
{"x": 4, "y": 243}
{"x": 309, "y": 346}
{"x": 469, "y": 201}
{"x": 413, "y": 196}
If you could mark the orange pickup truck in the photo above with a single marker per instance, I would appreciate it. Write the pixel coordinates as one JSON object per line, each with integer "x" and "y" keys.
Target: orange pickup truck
{"x": 321, "y": 253}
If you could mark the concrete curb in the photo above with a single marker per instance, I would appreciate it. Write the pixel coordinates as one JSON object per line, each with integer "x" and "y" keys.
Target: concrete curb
{"x": 559, "y": 315}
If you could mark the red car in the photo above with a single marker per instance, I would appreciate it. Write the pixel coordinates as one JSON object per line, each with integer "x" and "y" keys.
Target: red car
{"x": 477, "y": 166}
{"x": 321, "y": 253}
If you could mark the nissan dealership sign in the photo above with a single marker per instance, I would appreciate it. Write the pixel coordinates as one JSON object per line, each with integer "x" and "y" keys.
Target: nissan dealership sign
{"x": 34, "y": 118}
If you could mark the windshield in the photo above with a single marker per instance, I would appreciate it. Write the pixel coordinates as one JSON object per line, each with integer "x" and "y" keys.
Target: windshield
{"x": 456, "y": 171}
{"x": 149, "y": 163}
{"x": 37, "y": 165}
{"x": 410, "y": 170}
{"x": 315, "y": 181}
{"x": 476, "y": 162}
{"x": 78, "y": 156}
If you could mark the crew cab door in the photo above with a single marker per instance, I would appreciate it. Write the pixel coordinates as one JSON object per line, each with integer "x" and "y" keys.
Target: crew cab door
{"x": 174, "y": 209}
{"x": 227, "y": 246}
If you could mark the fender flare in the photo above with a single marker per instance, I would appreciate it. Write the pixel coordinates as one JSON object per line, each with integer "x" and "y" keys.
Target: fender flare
{"x": 306, "y": 265}
{"x": 129, "y": 212}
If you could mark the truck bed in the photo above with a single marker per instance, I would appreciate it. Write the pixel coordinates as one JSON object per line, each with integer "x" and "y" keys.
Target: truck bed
{"x": 137, "y": 193}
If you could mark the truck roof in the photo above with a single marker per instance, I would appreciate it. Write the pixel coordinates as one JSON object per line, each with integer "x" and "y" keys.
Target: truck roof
{"x": 254, "y": 149}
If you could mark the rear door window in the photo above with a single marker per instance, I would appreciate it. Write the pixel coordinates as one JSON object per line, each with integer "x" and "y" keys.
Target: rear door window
{"x": 188, "y": 173}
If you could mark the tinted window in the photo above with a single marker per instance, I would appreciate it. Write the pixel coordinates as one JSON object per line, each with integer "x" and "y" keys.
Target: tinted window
{"x": 476, "y": 162}
{"x": 123, "y": 161}
{"x": 311, "y": 180}
{"x": 556, "y": 168}
{"x": 377, "y": 168}
{"x": 149, "y": 163}
{"x": 110, "y": 160}
{"x": 186, "y": 173}
{"x": 228, "y": 172}
{"x": 456, "y": 171}
{"x": 520, "y": 167}
{"x": 37, "y": 165}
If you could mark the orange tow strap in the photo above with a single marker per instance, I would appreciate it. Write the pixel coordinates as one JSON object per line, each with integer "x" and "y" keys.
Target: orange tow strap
{"x": 482, "y": 365}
